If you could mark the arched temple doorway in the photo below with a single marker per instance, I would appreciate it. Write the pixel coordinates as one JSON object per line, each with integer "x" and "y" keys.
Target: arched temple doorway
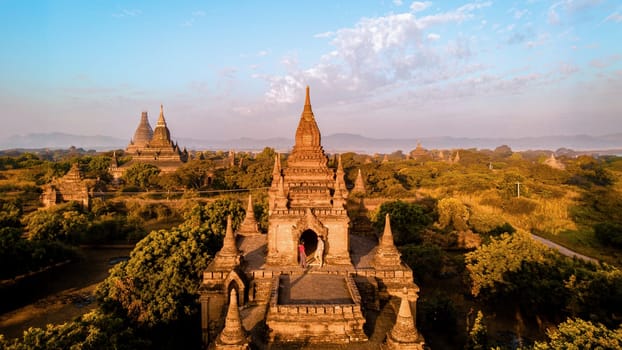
{"x": 310, "y": 239}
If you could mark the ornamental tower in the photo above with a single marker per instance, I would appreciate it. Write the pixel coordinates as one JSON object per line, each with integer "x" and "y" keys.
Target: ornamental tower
{"x": 307, "y": 200}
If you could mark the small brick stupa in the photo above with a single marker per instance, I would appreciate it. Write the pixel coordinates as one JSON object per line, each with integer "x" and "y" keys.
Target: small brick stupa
{"x": 404, "y": 334}
{"x": 249, "y": 226}
{"x": 233, "y": 336}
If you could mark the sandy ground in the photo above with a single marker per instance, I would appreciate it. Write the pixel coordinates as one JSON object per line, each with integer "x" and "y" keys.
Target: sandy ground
{"x": 66, "y": 295}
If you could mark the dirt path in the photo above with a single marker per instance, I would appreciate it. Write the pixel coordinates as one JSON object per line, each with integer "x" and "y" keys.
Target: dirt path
{"x": 62, "y": 297}
{"x": 563, "y": 250}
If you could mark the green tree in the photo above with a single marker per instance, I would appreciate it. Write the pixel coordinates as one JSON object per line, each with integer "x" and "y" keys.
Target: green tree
{"x": 142, "y": 175}
{"x": 588, "y": 172}
{"x": 195, "y": 174}
{"x": 426, "y": 260}
{"x": 489, "y": 264}
{"x": 478, "y": 334}
{"x": 609, "y": 233}
{"x": 580, "y": 334}
{"x": 159, "y": 283}
{"x": 407, "y": 220}
{"x": 10, "y": 215}
{"x": 92, "y": 331}
{"x": 63, "y": 222}
{"x": 452, "y": 214}
{"x": 258, "y": 173}
{"x": 505, "y": 228}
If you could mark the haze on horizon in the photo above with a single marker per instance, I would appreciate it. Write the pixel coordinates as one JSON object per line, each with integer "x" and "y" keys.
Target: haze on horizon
{"x": 393, "y": 69}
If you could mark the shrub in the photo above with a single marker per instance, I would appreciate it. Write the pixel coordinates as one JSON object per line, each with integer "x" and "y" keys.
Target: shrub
{"x": 609, "y": 233}
{"x": 505, "y": 228}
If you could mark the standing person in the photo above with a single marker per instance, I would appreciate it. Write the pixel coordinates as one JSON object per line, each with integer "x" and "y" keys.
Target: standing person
{"x": 319, "y": 252}
{"x": 302, "y": 254}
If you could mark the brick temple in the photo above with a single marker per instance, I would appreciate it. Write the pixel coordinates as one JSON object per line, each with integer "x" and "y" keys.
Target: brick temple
{"x": 152, "y": 146}
{"x": 285, "y": 304}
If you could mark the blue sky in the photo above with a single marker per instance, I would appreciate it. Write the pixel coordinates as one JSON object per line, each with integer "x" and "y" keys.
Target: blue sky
{"x": 376, "y": 68}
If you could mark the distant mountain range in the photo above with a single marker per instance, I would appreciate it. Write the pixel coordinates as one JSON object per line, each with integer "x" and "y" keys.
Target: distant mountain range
{"x": 332, "y": 143}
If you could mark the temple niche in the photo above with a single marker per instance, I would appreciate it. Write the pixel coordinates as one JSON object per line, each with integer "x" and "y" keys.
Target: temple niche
{"x": 152, "y": 146}
{"x": 289, "y": 302}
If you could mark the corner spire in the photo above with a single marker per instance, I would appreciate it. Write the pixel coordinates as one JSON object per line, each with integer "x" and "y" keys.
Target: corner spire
{"x": 233, "y": 333}
{"x": 281, "y": 196}
{"x": 228, "y": 256}
{"x": 404, "y": 335}
{"x": 276, "y": 171}
{"x": 386, "y": 253}
{"x": 249, "y": 225}
{"x": 340, "y": 182}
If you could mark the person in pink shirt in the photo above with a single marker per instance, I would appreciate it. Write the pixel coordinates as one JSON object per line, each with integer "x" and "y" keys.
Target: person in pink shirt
{"x": 302, "y": 254}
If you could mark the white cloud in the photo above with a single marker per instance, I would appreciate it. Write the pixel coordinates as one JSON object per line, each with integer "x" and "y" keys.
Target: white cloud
{"x": 419, "y": 6}
{"x": 518, "y": 14}
{"x": 323, "y": 35}
{"x": 397, "y": 2}
{"x": 540, "y": 40}
{"x": 567, "y": 69}
{"x": 263, "y": 53}
{"x": 284, "y": 89}
{"x": 614, "y": 17}
{"x": 569, "y": 7}
{"x": 553, "y": 17}
{"x": 605, "y": 62}
{"x": 199, "y": 13}
{"x": 458, "y": 15}
{"x": 127, "y": 13}
{"x": 378, "y": 55}
{"x": 433, "y": 36}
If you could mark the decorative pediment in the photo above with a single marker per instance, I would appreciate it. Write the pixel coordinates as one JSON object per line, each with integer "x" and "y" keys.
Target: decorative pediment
{"x": 310, "y": 222}
{"x": 233, "y": 276}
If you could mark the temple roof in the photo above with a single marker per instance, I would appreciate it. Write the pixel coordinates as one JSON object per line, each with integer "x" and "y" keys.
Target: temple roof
{"x": 143, "y": 133}
{"x": 307, "y": 180}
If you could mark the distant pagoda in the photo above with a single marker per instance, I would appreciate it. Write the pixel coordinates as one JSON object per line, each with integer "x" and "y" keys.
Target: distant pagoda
{"x": 153, "y": 147}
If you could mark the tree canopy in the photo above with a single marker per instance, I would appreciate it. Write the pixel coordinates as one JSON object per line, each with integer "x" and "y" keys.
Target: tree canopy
{"x": 580, "y": 334}
{"x": 159, "y": 283}
{"x": 407, "y": 220}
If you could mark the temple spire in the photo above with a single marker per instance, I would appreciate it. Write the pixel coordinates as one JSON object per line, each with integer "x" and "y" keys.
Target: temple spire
{"x": 359, "y": 184}
{"x": 249, "y": 225}
{"x": 228, "y": 243}
{"x": 307, "y": 107}
{"x": 276, "y": 171}
{"x": 386, "y": 253}
{"x": 161, "y": 120}
{"x": 228, "y": 256}
{"x": 281, "y": 196}
{"x": 233, "y": 333}
{"x": 404, "y": 334}
{"x": 387, "y": 235}
{"x": 340, "y": 183}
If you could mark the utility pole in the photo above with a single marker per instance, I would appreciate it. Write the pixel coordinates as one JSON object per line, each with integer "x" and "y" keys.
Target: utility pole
{"x": 518, "y": 189}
